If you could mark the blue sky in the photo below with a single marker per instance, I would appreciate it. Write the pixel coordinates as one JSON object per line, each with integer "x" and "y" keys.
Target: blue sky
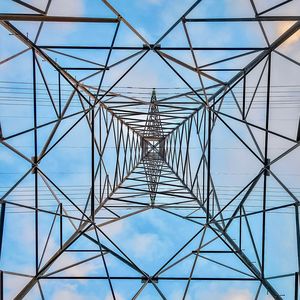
{"x": 151, "y": 237}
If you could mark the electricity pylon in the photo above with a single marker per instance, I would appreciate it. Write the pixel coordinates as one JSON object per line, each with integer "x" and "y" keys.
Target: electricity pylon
{"x": 135, "y": 150}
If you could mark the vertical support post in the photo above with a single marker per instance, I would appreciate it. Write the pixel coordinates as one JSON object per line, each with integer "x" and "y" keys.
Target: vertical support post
{"x": 100, "y": 156}
{"x": 296, "y": 286}
{"x": 203, "y": 165}
{"x": 1, "y": 286}
{"x": 107, "y": 185}
{"x": 213, "y": 204}
{"x": 266, "y": 171}
{"x": 59, "y": 94}
{"x": 60, "y": 225}
{"x": 93, "y": 165}
{"x": 208, "y": 165}
{"x": 35, "y": 162}
{"x": 298, "y": 132}
{"x": 297, "y": 233}
{"x": 2, "y": 218}
{"x": 244, "y": 97}
{"x": 240, "y": 229}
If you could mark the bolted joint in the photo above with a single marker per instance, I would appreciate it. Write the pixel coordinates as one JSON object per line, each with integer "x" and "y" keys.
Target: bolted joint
{"x": 34, "y": 164}
{"x": 145, "y": 279}
{"x": 267, "y": 168}
{"x": 152, "y": 46}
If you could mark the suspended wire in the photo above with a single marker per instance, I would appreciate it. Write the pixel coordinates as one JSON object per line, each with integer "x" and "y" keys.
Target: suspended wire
{"x": 21, "y": 93}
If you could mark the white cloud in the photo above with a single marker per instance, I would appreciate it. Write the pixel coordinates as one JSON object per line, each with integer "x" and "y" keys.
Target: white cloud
{"x": 74, "y": 8}
{"x": 146, "y": 245}
{"x": 67, "y": 7}
{"x": 216, "y": 292}
{"x": 282, "y": 27}
{"x": 14, "y": 284}
{"x": 237, "y": 295}
{"x": 68, "y": 293}
{"x": 115, "y": 228}
{"x": 62, "y": 7}
{"x": 68, "y": 259}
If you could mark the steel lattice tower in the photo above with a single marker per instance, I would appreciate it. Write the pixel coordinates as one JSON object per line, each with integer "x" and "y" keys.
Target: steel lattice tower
{"x": 154, "y": 152}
